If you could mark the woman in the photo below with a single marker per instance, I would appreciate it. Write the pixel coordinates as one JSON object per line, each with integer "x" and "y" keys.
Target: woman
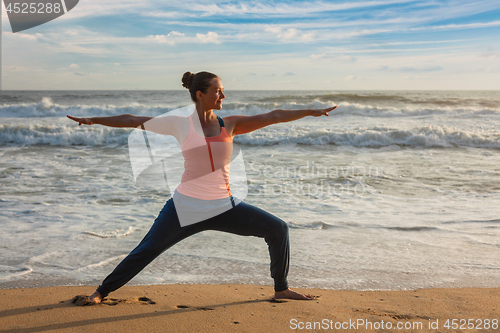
{"x": 207, "y": 92}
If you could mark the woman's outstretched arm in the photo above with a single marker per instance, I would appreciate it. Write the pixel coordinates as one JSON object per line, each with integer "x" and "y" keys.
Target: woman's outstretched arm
{"x": 124, "y": 120}
{"x": 245, "y": 124}
{"x": 167, "y": 125}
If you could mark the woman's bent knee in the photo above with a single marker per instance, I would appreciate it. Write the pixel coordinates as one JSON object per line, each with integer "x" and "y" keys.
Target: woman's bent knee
{"x": 284, "y": 228}
{"x": 280, "y": 228}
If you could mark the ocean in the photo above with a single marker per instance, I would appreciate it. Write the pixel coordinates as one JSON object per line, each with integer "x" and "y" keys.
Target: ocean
{"x": 394, "y": 190}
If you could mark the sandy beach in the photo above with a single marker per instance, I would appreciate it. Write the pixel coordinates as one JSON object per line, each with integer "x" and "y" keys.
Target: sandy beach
{"x": 249, "y": 308}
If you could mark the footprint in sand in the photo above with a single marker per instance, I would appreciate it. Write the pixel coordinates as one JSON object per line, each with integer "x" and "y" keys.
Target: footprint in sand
{"x": 84, "y": 300}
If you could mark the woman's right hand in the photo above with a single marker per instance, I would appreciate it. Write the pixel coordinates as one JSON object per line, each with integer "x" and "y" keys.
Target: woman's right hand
{"x": 85, "y": 121}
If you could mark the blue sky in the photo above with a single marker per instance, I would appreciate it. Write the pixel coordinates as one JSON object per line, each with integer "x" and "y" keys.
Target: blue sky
{"x": 299, "y": 45}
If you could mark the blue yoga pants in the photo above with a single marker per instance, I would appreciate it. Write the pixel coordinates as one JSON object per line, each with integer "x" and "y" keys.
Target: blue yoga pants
{"x": 243, "y": 219}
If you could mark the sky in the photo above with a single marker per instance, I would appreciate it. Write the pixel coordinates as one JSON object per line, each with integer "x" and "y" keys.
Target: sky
{"x": 260, "y": 45}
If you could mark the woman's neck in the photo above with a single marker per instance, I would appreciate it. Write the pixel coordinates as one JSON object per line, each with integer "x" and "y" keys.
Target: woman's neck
{"x": 205, "y": 116}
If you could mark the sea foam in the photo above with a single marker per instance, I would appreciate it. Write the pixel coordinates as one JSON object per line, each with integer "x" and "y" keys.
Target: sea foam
{"x": 373, "y": 136}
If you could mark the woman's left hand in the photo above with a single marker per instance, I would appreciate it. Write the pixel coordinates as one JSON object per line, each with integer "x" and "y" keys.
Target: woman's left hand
{"x": 321, "y": 112}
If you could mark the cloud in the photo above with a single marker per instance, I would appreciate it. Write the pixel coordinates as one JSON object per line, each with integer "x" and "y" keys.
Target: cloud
{"x": 334, "y": 56}
{"x": 175, "y": 33}
{"x": 407, "y": 19}
{"x": 16, "y": 68}
{"x": 291, "y": 34}
{"x": 175, "y": 36}
{"x": 74, "y": 66}
{"x": 282, "y": 9}
{"x": 351, "y": 77}
{"x": 95, "y": 8}
{"x": 171, "y": 38}
{"x": 9, "y": 34}
{"x": 78, "y": 74}
{"x": 424, "y": 69}
{"x": 289, "y": 74}
{"x": 384, "y": 68}
{"x": 26, "y": 36}
{"x": 210, "y": 37}
{"x": 423, "y": 42}
{"x": 414, "y": 77}
{"x": 407, "y": 69}
{"x": 317, "y": 56}
{"x": 170, "y": 14}
{"x": 458, "y": 26}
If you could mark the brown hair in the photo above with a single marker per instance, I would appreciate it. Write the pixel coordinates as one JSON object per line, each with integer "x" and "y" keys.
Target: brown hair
{"x": 197, "y": 82}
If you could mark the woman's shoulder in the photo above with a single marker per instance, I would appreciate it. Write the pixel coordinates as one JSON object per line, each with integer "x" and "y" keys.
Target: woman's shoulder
{"x": 230, "y": 123}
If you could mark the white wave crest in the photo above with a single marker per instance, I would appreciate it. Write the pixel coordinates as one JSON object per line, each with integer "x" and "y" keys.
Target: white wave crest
{"x": 357, "y": 109}
{"x": 62, "y": 135}
{"x": 111, "y": 233}
{"x": 46, "y": 108}
{"x": 9, "y": 273}
{"x": 427, "y": 136}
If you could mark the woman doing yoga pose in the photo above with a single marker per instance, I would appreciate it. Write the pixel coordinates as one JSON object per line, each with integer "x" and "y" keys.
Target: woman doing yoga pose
{"x": 205, "y": 181}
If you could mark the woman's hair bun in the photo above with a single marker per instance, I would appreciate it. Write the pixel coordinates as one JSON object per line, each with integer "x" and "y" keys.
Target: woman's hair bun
{"x": 187, "y": 79}
{"x": 195, "y": 82}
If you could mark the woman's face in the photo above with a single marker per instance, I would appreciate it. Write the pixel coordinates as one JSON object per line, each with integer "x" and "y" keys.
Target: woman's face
{"x": 214, "y": 96}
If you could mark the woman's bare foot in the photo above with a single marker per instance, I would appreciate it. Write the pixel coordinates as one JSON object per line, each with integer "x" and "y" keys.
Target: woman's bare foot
{"x": 290, "y": 294}
{"x": 95, "y": 297}
{"x": 84, "y": 300}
